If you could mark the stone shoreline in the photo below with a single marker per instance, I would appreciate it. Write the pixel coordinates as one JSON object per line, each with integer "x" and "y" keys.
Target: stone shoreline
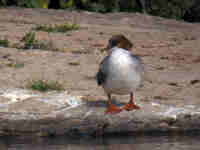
{"x": 26, "y": 112}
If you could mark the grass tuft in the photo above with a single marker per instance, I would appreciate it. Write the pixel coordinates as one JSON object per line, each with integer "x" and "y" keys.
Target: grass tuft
{"x": 44, "y": 85}
{"x": 15, "y": 65}
{"x": 58, "y": 27}
{"x": 30, "y": 42}
{"x": 4, "y": 42}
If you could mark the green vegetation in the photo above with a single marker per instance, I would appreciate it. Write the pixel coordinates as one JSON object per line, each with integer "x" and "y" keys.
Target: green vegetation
{"x": 25, "y": 3}
{"x": 43, "y": 85}
{"x": 16, "y": 65}
{"x": 170, "y": 9}
{"x": 74, "y": 63}
{"x": 19, "y": 65}
{"x": 188, "y": 10}
{"x": 30, "y": 42}
{"x": 58, "y": 27}
{"x": 4, "y": 42}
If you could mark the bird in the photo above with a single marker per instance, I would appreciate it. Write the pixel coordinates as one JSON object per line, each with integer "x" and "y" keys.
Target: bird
{"x": 120, "y": 72}
{"x": 119, "y": 41}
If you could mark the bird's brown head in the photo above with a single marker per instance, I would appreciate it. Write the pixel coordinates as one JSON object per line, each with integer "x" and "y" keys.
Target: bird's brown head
{"x": 119, "y": 41}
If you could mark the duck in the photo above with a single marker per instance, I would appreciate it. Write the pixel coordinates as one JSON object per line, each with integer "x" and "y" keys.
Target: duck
{"x": 120, "y": 72}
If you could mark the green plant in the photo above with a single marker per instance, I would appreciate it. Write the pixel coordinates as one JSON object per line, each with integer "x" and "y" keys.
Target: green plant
{"x": 178, "y": 9}
{"x": 33, "y": 3}
{"x": 16, "y": 65}
{"x": 3, "y": 2}
{"x": 58, "y": 27}
{"x": 4, "y": 42}
{"x": 97, "y": 7}
{"x": 170, "y": 9}
{"x": 44, "y": 85}
{"x": 30, "y": 42}
{"x": 66, "y": 3}
{"x": 26, "y": 3}
{"x": 74, "y": 63}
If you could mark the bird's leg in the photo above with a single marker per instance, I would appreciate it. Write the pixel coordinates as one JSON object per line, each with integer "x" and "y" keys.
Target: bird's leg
{"x": 131, "y": 105}
{"x": 112, "y": 108}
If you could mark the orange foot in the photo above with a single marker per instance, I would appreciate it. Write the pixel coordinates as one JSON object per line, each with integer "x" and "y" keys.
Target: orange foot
{"x": 131, "y": 106}
{"x": 113, "y": 110}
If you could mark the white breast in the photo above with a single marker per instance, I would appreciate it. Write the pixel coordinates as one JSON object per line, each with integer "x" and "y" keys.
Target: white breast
{"x": 123, "y": 75}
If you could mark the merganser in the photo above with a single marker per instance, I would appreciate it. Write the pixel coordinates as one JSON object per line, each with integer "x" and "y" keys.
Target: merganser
{"x": 120, "y": 72}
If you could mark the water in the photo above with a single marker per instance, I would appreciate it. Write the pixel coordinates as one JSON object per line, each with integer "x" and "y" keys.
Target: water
{"x": 109, "y": 143}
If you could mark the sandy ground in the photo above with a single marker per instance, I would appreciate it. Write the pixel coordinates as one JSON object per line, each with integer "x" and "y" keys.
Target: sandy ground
{"x": 170, "y": 51}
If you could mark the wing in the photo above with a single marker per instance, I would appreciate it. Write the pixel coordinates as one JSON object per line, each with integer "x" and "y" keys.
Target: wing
{"x": 139, "y": 66}
{"x": 103, "y": 71}
{"x": 136, "y": 57}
